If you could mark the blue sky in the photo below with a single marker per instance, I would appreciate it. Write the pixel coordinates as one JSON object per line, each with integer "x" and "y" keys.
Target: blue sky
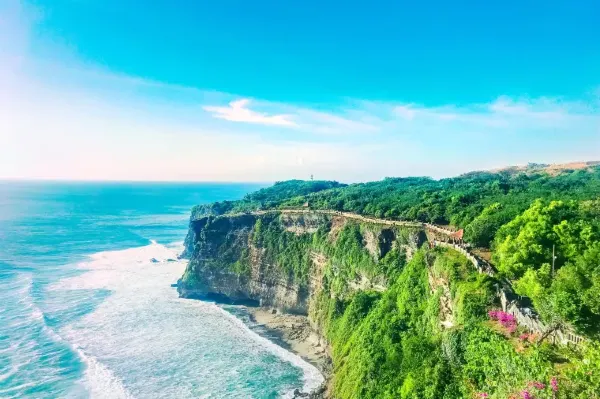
{"x": 270, "y": 90}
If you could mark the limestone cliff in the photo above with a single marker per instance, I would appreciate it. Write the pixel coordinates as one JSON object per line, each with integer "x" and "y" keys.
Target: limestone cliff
{"x": 229, "y": 261}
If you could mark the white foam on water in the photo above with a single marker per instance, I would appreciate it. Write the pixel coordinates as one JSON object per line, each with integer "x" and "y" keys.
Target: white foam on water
{"x": 14, "y": 367}
{"x": 101, "y": 381}
{"x": 144, "y": 341}
{"x": 15, "y": 390}
{"x": 26, "y": 340}
{"x": 312, "y": 376}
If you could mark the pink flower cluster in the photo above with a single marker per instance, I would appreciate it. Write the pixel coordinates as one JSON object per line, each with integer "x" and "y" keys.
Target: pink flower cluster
{"x": 507, "y": 320}
{"x": 538, "y": 385}
{"x": 554, "y": 384}
{"x": 526, "y": 395}
{"x": 482, "y": 395}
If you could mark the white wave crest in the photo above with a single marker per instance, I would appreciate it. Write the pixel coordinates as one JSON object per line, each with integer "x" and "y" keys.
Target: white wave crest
{"x": 23, "y": 348}
{"x": 311, "y": 375}
{"x": 109, "y": 270}
{"x": 101, "y": 382}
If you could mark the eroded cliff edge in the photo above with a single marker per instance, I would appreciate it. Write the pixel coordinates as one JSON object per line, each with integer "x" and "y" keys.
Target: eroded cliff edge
{"x": 279, "y": 260}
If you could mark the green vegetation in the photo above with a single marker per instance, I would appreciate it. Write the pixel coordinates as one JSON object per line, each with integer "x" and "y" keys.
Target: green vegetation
{"x": 519, "y": 215}
{"x": 265, "y": 198}
{"x": 284, "y": 249}
{"x": 481, "y": 202}
{"x": 428, "y": 327}
{"x": 274, "y": 195}
{"x": 349, "y": 259}
{"x": 391, "y": 344}
{"x": 570, "y": 293}
{"x": 291, "y": 253}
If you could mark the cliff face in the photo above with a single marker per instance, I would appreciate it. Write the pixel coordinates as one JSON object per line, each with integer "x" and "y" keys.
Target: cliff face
{"x": 199, "y": 212}
{"x": 247, "y": 258}
{"x": 213, "y": 245}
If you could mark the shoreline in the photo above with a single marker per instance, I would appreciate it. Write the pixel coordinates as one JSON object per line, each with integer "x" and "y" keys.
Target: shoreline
{"x": 294, "y": 334}
{"x": 291, "y": 332}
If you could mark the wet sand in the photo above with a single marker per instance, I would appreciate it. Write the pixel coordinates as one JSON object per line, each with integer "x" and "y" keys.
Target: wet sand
{"x": 295, "y": 332}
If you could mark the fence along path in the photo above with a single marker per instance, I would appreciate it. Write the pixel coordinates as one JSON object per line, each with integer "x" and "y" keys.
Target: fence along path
{"x": 511, "y": 303}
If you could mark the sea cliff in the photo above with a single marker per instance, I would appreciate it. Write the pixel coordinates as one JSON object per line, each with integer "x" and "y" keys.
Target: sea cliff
{"x": 242, "y": 258}
{"x": 398, "y": 313}
{"x": 286, "y": 262}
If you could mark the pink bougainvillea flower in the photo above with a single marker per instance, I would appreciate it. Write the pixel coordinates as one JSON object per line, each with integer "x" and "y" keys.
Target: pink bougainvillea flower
{"x": 493, "y": 314}
{"x": 526, "y": 395}
{"x": 554, "y": 384}
{"x": 538, "y": 385}
{"x": 506, "y": 320}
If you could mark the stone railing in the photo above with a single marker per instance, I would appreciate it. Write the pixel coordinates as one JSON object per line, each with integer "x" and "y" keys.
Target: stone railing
{"x": 439, "y": 229}
{"x": 528, "y": 318}
{"x": 511, "y": 303}
{"x": 481, "y": 265}
{"x": 349, "y": 215}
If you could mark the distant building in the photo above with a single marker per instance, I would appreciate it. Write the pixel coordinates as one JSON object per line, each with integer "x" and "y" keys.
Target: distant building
{"x": 306, "y": 205}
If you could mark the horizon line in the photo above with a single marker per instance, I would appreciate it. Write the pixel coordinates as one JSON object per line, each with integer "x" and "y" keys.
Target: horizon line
{"x": 492, "y": 170}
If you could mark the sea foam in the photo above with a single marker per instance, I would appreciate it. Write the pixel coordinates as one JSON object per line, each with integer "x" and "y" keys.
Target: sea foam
{"x": 144, "y": 341}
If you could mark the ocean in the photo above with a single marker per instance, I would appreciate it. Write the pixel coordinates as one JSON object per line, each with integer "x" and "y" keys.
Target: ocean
{"x": 87, "y": 307}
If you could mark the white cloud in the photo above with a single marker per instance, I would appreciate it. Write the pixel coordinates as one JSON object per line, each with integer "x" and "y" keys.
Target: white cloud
{"x": 405, "y": 112}
{"x": 80, "y": 132}
{"x": 306, "y": 119}
{"x": 238, "y": 111}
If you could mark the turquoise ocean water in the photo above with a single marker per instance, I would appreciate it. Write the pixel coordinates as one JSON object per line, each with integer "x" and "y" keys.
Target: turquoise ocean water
{"x": 87, "y": 309}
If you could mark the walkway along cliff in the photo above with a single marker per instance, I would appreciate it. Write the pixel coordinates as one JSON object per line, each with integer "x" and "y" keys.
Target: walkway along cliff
{"x": 225, "y": 242}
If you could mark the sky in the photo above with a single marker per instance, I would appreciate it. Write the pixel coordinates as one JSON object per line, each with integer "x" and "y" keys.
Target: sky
{"x": 273, "y": 90}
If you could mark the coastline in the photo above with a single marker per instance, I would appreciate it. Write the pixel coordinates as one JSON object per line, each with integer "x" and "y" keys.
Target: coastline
{"x": 294, "y": 333}
{"x": 291, "y": 332}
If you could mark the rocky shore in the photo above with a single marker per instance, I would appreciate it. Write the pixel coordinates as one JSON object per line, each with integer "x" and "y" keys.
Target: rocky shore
{"x": 295, "y": 332}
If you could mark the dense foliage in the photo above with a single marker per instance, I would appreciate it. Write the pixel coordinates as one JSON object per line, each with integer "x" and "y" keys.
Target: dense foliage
{"x": 521, "y": 216}
{"x": 264, "y": 198}
{"x": 480, "y": 202}
{"x": 569, "y": 291}
{"x": 391, "y": 344}
{"x": 272, "y": 196}
{"x": 348, "y": 258}
{"x": 284, "y": 249}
